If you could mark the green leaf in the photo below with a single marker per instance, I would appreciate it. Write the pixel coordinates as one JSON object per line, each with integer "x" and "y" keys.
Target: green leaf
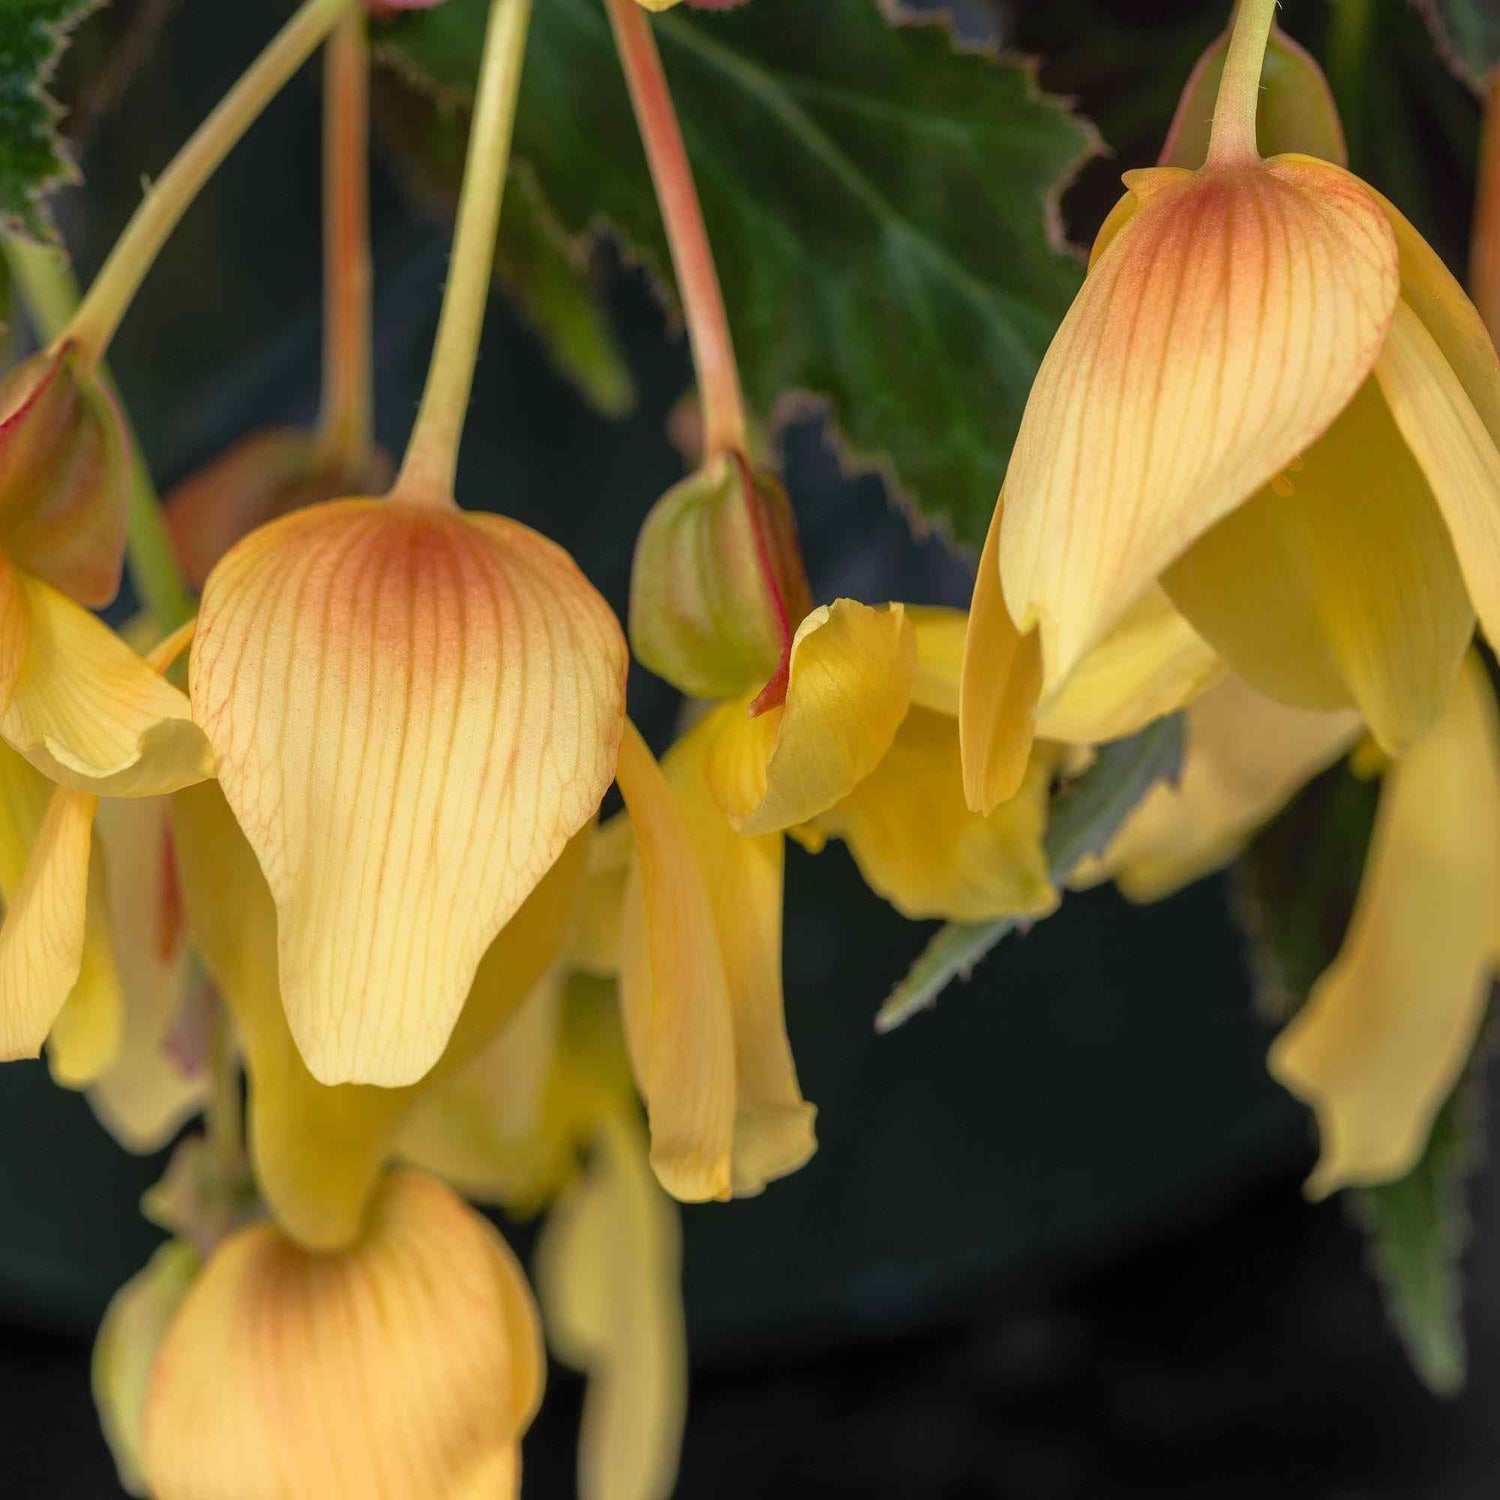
{"x": 1086, "y": 814}
{"x": 881, "y": 203}
{"x": 1418, "y": 1229}
{"x": 1468, "y": 35}
{"x": 33, "y": 159}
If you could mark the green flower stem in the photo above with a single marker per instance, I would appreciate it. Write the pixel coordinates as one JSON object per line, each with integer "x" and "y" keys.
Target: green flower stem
{"x": 1233, "y": 138}
{"x": 50, "y": 293}
{"x": 94, "y": 324}
{"x": 431, "y": 462}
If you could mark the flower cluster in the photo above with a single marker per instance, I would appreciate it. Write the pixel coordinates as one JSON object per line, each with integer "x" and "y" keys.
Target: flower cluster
{"x": 355, "y": 853}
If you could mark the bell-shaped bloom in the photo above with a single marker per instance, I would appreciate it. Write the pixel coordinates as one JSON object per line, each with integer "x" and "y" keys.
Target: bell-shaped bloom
{"x": 545, "y": 1119}
{"x": 1390, "y": 1026}
{"x": 1271, "y": 396}
{"x": 318, "y": 1150}
{"x": 408, "y": 1364}
{"x": 413, "y": 710}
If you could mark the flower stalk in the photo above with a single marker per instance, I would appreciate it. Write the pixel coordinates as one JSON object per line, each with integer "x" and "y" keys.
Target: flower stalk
{"x": 345, "y": 424}
{"x": 98, "y": 316}
{"x": 431, "y": 462}
{"x": 724, "y": 425}
{"x": 1233, "y": 139}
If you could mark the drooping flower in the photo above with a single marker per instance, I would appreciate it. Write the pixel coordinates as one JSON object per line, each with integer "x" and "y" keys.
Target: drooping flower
{"x": 408, "y": 1364}
{"x": 1272, "y": 396}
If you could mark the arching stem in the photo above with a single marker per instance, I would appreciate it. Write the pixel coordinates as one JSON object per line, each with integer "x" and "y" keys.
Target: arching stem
{"x": 431, "y": 461}
{"x": 94, "y": 324}
{"x": 724, "y": 427}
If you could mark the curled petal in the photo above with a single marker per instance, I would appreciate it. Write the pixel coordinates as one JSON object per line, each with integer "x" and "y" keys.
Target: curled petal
{"x": 1001, "y": 682}
{"x": 773, "y": 1127}
{"x": 919, "y": 846}
{"x": 90, "y": 714}
{"x": 1390, "y": 1025}
{"x": 1455, "y": 449}
{"x": 413, "y": 711}
{"x": 850, "y": 682}
{"x": 1247, "y": 756}
{"x": 1152, "y": 663}
{"x": 318, "y": 1150}
{"x": 674, "y": 995}
{"x": 1340, "y": 587}
{"x": 1228, "y": 323}
{"x": 409, "y": 1364}
{"x": 608, "y": 1273}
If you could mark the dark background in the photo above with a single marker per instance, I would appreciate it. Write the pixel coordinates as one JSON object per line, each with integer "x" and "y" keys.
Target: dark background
{"x": 1053, "y": 1243}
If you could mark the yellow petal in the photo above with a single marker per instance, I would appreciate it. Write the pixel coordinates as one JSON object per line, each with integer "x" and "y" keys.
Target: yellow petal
{"x": 318, "y": 1149}
{"x": 1247, "y": 756}
{"x": 1389, "y": 1027}
{"x": 1001, "y": 682}
{"x": 852, "y": 669}
{"x": 608, "y": 1271}
{"x": 1345, "y": 592}
{"x": 1152, "y": 663}
{"x": 90, "y": 714}
{"x": 413, "y": 711}
{"x": 1229, "y": 322}
{"x": 939, "y": 636}
{"x": 594, "y": 944}
{"x": 773, "y": 1127}
{"x": 146, "y": 1093}
{"x": 88, "y": 1036}
{"x": 408, "y": 1365}
{"x": 673, "y": 992}
{"x": 1456, "y": 450}
{"x": 919, "y": 846}
{"x": 135, "y": 1323}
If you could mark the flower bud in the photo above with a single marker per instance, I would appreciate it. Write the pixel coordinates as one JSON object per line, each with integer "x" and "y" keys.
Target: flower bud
{"x": 64, "y": 476}
{"x": 717, "y": 587}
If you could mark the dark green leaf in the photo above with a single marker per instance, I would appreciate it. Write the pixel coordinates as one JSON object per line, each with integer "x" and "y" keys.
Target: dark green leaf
{"x": 1418, "y": 1229}
{"x": 32, "y": 157}
{"x": 1085, "y": 816}
{"x": 880, "y": 200}
{"x": 1468, "y": 33}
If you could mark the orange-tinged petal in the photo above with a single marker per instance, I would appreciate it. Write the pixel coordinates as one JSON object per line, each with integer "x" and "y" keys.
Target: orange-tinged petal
{"x": 410, "y": 1364}
{"x": 851, "y": 675}
{"x": 1455, "y": 449}
{"x": 90, "y": 714}
{"x": 917, "y": 843}
{"x": 146, "y": 1093}
{"x": 608, "y": 1273}
{"x": 773, "y": 1127}
{"x": 413, "y": 710}
{"x": 1152, "y": 663}
{"x": 1389, "y": 1027}
{"x": 1338, "y": 587}
{"x": 1229, "y": 322}
{"x": 679, "y": 1026}
{"x": 318, "y": 1149}
{"x": 1247, "y": 756}
{"x": 998, "y": 691}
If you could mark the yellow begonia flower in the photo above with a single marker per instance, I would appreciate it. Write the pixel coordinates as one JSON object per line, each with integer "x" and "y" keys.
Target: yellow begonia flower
{"x": 545, "y": 1117}
{"x": 1272, "y": 396}
{"x": 408, "y": 1364}
{"x": 413, "y": 709}
{"x": 1388, "y": 1029}
{"x": 89, "y": 718}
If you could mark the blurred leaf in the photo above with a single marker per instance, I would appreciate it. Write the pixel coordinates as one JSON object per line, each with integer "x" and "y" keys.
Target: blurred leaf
{"x": 33, "y": 158}
{"x": 538, "y": 263}
{"x": 1418, "y": 1230}
{"x": 1468, "y": 34}
{"x": 1086, "y": 814}
{"x": 880, "y": 200}
{"x": 1296, "y": 884}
